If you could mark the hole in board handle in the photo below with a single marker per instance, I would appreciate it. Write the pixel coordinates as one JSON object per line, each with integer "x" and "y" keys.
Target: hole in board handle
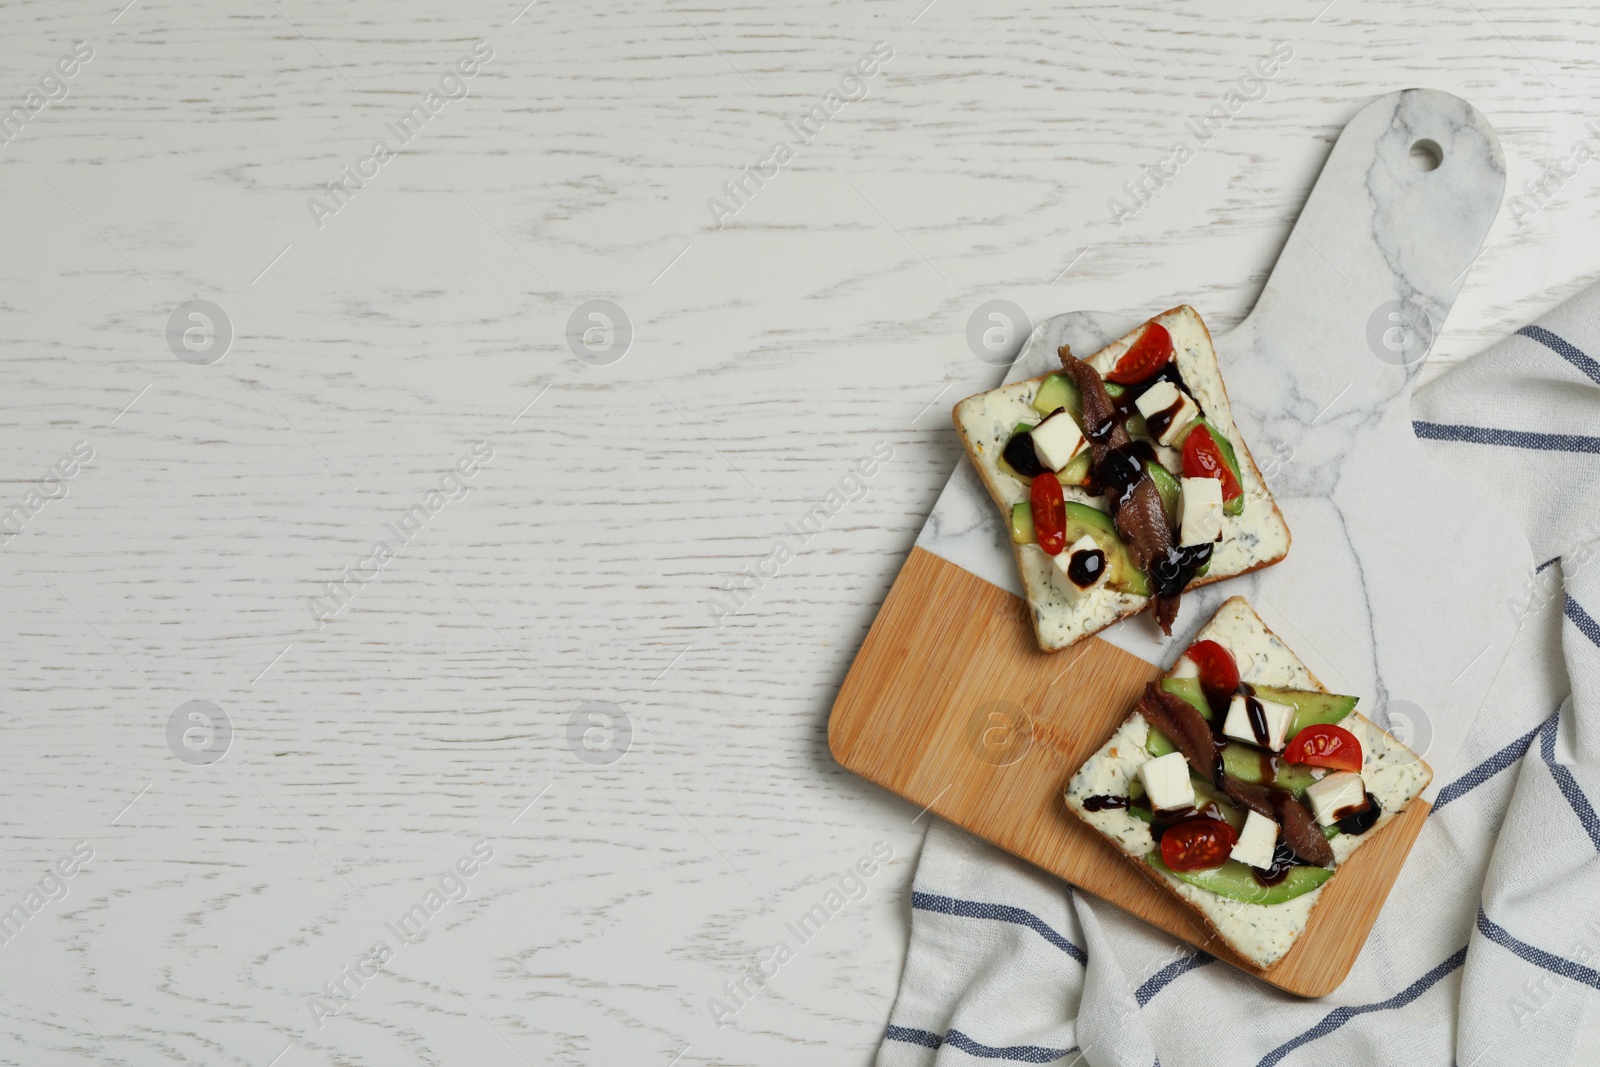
{"x": 1426, "y": 155}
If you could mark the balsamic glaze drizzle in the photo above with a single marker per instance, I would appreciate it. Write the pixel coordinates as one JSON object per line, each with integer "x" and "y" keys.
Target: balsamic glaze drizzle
{"x": 1258, "y": 720}
{"x": 1159, "y": 423}
{"x": 1120, "y": 470}
{"x": 1086, "y": 567}
{"x": 1283, "y": 858}
{"x": 1020, "y": 454}
{"x": 1362, "y": 820}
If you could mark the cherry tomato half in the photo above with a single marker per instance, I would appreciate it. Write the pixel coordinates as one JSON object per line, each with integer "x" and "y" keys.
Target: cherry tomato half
{"x": 1144, "y": 357}
{"x": 1197, "y": 844}
{"x": 1321, "y": 745}
{"x": 1202, "y": 458}
{"x": 1049, "y": 514}
{"x": 1218, "y": 671}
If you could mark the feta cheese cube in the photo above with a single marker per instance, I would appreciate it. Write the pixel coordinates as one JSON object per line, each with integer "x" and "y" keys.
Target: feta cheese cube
{"x": 1063, "y": 565}
{"x": 1164, "y": 396}
{"x": 1166, "y": 782}
{"x": 1158, "y": 397}
{"x": 1056, "y": 440}
{"x": 1257, "y": 841}
{"x": 1237, "y": 724}
{"x": 1200, "y": 511}
{"x": 1185, "y": 668}
{"x": 1170, "y": 458}
{"x": 1083, "y": 544}
{"x": 1337, "y": 795}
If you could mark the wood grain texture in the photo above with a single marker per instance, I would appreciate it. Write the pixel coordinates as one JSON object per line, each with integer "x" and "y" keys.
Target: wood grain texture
{"x": 370, "y": 356}
{"x": 917, "y": 715}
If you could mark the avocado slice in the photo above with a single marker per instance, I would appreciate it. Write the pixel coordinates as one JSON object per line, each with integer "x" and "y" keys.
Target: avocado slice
{"x": 1235, "y": 881}
{"x": 1076, "y": 472}
{"x": 1158, "y": 744}
{"x": 1121, "y": 575}
{"x": 1310, "y": 707}
{"x": 1022, "y": 524}
{"x": 1057, "y": 391}
{"x": 1243, "y": 762}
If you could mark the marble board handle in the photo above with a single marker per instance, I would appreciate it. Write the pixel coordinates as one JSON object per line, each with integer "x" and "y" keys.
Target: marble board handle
{"x": 1400, "y": 573}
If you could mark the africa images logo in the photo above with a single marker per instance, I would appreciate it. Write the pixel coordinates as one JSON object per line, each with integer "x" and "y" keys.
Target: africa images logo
{"x": 199, "y": 732}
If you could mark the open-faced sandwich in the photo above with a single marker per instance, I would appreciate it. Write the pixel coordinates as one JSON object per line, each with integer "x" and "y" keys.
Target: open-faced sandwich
{"x": 1124, "y": 480}
{"x": 1242, "y": 784}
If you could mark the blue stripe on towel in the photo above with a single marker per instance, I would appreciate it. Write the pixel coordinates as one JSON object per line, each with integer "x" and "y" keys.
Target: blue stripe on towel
{"x": 1536, "y": 956}
{"x": 1583, "y": 621}
{"x": 1488, "y": 768}
{"x": 925, "y": 1038}
{"x": 956, "y": 1039}
{"x": 1168, "y": 974}
{"x": 973, "y": 909}
{"x": 1489, "y": 435}
{"x": 1339, "y": 1016}
{"x": 1565, "y": 349}
{"x": 1567, "y": 783}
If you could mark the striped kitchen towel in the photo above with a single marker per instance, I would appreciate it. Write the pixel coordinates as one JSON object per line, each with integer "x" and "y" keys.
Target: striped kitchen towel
{"x": 1487, "y": 952}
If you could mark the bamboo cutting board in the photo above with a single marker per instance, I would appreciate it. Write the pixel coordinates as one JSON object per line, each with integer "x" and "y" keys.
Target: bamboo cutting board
{"x": 1394, "y": 581}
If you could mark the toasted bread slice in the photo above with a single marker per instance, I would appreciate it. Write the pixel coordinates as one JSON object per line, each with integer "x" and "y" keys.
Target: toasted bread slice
{"x": 1261, "y": 933}
{"x": 1255, "y": 538}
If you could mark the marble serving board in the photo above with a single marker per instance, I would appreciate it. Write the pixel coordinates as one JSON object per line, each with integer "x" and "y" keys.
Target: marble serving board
{"x": 1396, "y": 587}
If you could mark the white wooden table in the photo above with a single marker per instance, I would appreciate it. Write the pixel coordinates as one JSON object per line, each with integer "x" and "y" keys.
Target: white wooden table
{"x": 826, "y": 315}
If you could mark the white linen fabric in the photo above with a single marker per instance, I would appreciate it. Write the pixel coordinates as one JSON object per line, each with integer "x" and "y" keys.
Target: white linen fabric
{"x": 1487, "y": 952}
